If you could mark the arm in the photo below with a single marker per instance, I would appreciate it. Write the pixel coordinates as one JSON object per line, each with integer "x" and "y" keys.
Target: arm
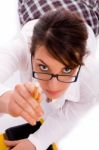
{"x": 15, "y": 56}
{"x": 10, "y": 61}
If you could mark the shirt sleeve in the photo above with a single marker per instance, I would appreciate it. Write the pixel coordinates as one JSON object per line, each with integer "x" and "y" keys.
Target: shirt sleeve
{"x": 14, "y": 55}
{"x": 10, "y": 60}
{"x": 63, "y": 120}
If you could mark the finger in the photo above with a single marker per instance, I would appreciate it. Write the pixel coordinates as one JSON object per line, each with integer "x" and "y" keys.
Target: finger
{"x": 29, "y": 86}
{"x": 28, "y": 118}
{"x": 11, "y": 143}
{"x": 21, "y": 89}
{"x": 35, "y": 105}
{"x": 21, "y": 92}
{"x": 16, "y": 110}
{"x": 34, "y": 90}
{"x": 27, "y": 112}
{"x": 30, "y": 106}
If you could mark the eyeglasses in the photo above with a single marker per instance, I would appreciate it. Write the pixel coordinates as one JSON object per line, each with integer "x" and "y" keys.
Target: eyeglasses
{"x": 61, "y": 78}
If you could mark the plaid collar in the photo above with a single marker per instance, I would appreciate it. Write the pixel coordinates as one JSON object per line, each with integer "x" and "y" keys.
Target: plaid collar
{"x": 33, "y": 9}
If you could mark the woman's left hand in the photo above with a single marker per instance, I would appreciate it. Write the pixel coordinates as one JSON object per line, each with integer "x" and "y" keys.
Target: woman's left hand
{"x": 20, "y": 145}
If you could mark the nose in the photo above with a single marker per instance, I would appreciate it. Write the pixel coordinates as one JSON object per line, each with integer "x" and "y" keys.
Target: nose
{"x": 53, "y": 83}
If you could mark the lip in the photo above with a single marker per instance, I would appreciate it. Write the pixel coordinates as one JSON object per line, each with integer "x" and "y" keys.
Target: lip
{"x": 53, "y": 92}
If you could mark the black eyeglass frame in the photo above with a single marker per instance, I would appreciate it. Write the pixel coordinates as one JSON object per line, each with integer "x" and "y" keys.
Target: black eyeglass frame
{"x": 55, "y": 76}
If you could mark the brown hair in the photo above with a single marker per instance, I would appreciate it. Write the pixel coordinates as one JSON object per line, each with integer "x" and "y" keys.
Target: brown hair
{"x": 64, "y": 35}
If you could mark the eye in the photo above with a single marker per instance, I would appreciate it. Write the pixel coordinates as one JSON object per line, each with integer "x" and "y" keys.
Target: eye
{"x": 67, "y": 70}
{"x": 43, "y": 67}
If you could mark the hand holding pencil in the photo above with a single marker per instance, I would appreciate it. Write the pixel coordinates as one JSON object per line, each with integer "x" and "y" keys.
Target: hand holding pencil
{"x": 24, "y": 101}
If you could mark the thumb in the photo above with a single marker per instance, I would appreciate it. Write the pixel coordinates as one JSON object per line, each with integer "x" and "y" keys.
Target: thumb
{"x": 34, "y": 90}
{"x": 12, "y": 143}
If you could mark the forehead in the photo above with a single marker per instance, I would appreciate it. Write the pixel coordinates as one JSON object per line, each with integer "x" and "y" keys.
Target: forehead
{"x": 43, "y": 54}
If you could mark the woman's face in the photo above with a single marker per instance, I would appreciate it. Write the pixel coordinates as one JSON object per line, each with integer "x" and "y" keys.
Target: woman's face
{"x": 43, "y": 62}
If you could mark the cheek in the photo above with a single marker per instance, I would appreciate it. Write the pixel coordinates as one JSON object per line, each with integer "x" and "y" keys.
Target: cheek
{"x": 62, "y": 86}
{"x": 65, "y": 86}
{"x": 42, "y": 84}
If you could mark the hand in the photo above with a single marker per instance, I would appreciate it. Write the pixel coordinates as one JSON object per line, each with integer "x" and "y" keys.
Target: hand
{"x": 20, "y": 145}
{"x": 21, "y": 103}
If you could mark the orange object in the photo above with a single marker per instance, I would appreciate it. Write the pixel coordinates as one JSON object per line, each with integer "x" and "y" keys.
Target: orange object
{"x": 2, "y": 144}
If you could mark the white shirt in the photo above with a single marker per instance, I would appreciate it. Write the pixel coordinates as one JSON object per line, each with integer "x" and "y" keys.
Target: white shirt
{"x": 60, "y": 115}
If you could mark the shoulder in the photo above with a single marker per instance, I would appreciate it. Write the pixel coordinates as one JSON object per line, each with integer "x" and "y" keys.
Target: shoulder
{"x": 27, "y": 29}
{"x": 89, "y": 76}
{"x": 91, "y": 41}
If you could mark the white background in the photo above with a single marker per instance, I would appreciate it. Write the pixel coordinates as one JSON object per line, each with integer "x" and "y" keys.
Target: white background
{"x": 86, "y": 135}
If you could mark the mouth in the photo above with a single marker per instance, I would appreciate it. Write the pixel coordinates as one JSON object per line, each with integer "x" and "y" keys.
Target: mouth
{"x": 53, "y": 93}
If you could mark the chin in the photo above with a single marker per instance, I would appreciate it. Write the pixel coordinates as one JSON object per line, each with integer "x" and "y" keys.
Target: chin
{"x": 53, "y": 96}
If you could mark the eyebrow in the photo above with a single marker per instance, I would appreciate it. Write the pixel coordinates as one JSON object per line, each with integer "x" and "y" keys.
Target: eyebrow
{"x": 42, "y": 61}
{"x": 48, "y": 65}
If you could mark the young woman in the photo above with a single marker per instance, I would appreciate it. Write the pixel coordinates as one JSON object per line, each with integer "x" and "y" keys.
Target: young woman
{"x": 67, "y": 75}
